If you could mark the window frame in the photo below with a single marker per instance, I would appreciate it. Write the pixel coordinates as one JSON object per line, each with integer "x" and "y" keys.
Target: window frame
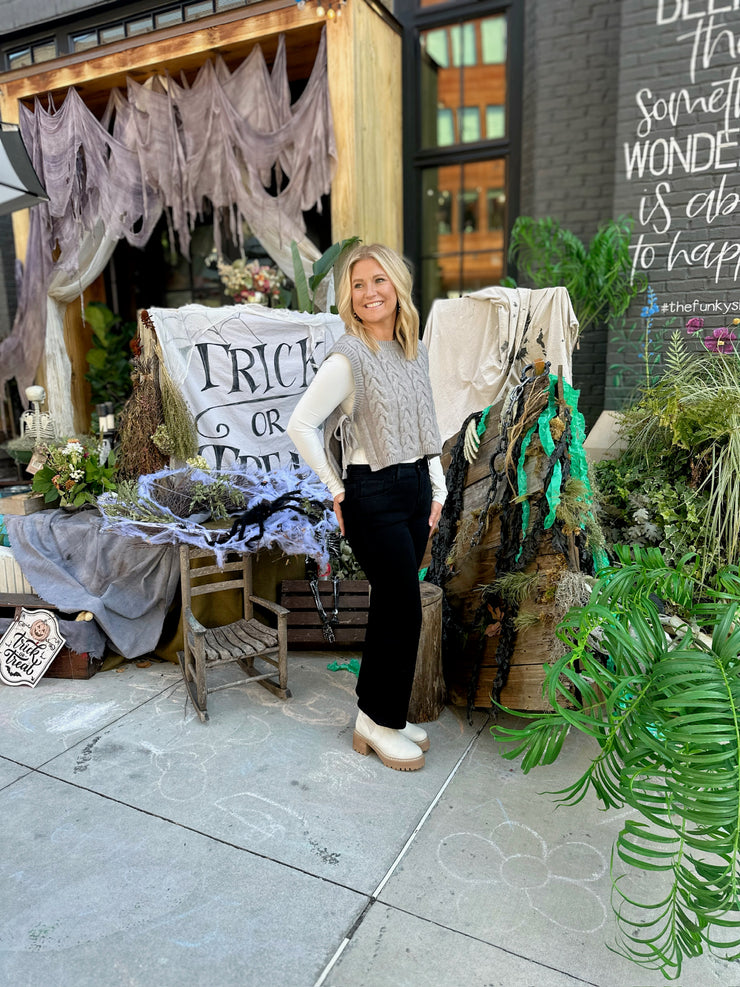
{"x": 417, "y": 159}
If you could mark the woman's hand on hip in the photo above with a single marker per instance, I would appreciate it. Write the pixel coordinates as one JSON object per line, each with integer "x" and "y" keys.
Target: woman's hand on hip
{"x": 434, "y": 516}
{"x": 338, "y": 511}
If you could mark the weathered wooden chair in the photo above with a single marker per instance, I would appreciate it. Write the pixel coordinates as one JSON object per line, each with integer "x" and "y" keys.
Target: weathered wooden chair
{"x": 241, "y": 641}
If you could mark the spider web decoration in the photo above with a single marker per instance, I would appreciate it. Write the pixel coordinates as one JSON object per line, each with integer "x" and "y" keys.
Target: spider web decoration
{"x": 281, "y": 509}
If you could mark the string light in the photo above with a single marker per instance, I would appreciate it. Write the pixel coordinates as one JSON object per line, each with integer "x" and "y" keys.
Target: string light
{"x": 331, "y": 9}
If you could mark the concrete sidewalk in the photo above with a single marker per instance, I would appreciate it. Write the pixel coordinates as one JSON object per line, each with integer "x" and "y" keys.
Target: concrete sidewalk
{"x": 144, "y": 848}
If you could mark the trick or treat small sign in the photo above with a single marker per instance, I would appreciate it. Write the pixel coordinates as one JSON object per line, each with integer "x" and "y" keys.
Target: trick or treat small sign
{"x": 28, "y": 647}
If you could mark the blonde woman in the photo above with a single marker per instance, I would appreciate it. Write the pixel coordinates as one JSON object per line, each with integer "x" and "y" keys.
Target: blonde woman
{"x": 379, "y": 457}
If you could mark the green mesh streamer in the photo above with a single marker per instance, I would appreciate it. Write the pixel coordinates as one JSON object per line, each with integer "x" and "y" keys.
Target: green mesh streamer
{"x": 578, "y": 464}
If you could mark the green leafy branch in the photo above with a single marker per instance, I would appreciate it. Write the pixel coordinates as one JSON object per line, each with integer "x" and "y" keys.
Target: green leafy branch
{"x": 665, "y": 714}
{"x": 598, "y": 277}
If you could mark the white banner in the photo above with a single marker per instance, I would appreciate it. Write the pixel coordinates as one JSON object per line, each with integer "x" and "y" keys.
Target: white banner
{"x": 242, "y": 369}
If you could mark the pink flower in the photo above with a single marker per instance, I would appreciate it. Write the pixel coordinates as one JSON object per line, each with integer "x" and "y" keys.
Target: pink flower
{"x": 720, "y": 341}
{"x": 694, "y": 324}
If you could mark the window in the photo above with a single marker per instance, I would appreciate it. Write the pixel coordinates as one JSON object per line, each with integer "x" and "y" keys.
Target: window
{"x": 435, "y": 44}
{"x": 81, "y": 42}
{"x": 493, "y": 40}
{"x": 142, "y": 25}
{"x": 468, "y": 124}
{"x": 495, "y": 122}
{"x": 195, "y": 10}
{"x": 45, "y": 51}
{"x": 20, "y": 59}
{"x": 444, "y": 213}
{"x": 496, "y": 208}
{"x": 168, "y": 17}
{"x": 467, "y": 211}
{"x": 462, "y": 39}
{"x": 41, "y": 51}
{"x": 87, "y": 38}
{"x": 108, "y": 34}
{"x": 445, "y": 128}
{"x": 462, "y": 112}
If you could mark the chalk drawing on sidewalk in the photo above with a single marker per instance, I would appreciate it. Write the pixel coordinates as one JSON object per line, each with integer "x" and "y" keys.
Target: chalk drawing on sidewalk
{"x": 515, "y": 864}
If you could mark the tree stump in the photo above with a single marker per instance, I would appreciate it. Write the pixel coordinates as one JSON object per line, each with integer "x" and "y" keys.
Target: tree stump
{"x": 428, "y": 692}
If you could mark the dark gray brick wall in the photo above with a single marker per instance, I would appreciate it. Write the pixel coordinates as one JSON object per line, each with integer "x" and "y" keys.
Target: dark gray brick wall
{"x": 571, "y": 70}
{"x": 657, "y": 57}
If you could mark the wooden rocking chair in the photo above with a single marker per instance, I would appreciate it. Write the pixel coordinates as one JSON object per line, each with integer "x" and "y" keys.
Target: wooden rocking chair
{"x": 241, "y": 641}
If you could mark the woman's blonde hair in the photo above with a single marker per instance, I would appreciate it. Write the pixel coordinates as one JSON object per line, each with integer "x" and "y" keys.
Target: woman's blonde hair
{"x": 407, "y": 318}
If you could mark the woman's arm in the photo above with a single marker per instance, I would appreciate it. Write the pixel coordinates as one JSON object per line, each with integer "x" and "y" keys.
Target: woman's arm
{"x": 332, "y": 385}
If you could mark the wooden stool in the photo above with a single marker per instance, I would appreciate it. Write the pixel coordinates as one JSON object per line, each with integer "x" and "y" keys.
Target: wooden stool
{"x": 429, "y": 691}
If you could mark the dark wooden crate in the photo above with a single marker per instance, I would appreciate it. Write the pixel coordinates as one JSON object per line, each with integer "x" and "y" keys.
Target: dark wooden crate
{"x": 304, "y": 623}
{"x": 70, "y": 664}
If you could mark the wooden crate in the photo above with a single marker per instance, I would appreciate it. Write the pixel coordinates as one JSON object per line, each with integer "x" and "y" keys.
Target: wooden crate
{"x": 23, "y": 503}
{"x": 304, "y": 623}
{"x": 70, "y": 664}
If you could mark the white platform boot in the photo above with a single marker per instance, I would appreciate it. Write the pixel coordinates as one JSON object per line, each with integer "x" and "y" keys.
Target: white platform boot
{"x": 417, "y": 734}
{"x": 393, "y": 748}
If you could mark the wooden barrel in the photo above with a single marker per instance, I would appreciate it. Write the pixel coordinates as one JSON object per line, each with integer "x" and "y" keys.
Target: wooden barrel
{"x": 428, "y": 693}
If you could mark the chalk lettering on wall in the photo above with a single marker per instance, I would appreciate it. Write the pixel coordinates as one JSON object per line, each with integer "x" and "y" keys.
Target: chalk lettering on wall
{"x": 683, "y": 151}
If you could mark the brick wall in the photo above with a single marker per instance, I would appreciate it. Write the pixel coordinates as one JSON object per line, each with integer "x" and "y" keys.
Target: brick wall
{"x": 686, "y": 212}
{"x": 571, "y": 68}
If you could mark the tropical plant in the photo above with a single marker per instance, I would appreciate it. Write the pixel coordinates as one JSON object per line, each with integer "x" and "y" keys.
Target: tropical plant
{"x": 109, "y": 358}
{"x": 665, "y": 713}
{"x": 684, "y": 433}
{"x": 599, "y": 277}
{"x": 306, "y": 287}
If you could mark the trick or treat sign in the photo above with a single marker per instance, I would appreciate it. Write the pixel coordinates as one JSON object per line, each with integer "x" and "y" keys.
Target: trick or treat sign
{"x": 28, "y": 647}
{"x": 242, "y": 370}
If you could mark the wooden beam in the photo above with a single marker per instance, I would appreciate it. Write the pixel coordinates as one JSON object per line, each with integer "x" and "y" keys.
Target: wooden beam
{"x": 180, "y": 47}
{"x": 365, "y": 64}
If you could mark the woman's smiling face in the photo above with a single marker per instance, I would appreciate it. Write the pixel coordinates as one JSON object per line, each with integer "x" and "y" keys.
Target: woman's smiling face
{"x": 374, "y": 298}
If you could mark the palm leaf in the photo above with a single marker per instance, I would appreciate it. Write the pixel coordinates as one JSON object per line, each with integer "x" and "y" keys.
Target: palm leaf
{"x": 668, "y": 732}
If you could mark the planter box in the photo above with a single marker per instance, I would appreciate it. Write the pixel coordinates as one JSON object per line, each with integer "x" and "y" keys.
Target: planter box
{"x": 304, "y": 623}
{"x": 23, "y": 503}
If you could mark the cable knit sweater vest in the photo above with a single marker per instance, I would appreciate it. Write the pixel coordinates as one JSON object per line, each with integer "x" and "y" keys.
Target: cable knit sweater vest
{"x": 393, "y": 418}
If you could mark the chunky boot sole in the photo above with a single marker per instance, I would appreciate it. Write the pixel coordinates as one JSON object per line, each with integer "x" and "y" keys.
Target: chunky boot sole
{"x": 363, "y": 746}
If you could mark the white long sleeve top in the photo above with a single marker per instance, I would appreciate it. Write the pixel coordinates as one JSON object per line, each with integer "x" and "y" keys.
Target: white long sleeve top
{"x": 333, "y": 387}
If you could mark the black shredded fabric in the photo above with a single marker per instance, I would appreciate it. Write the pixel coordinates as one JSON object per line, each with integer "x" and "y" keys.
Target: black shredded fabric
{"x": 439, "y": 570}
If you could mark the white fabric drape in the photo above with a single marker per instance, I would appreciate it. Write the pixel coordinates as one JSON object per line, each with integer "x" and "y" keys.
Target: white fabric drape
{"x": 480, "y": 343}
{"x": 96, "y": 250}
{"x": 232, "y": 140}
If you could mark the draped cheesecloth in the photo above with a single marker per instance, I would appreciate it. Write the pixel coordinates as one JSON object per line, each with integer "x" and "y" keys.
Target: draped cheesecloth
{"x": 163, "y": 146}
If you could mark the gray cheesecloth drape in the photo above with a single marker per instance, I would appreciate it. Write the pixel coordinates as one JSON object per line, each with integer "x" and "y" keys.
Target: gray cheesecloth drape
{"x": 166, "y": 146}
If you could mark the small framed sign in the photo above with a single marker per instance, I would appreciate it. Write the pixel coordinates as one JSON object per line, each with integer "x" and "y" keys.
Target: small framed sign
{"x": 29, "y": 646}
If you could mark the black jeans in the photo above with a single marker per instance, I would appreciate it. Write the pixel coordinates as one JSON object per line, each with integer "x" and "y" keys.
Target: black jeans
{"x": 386, "y": 517}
